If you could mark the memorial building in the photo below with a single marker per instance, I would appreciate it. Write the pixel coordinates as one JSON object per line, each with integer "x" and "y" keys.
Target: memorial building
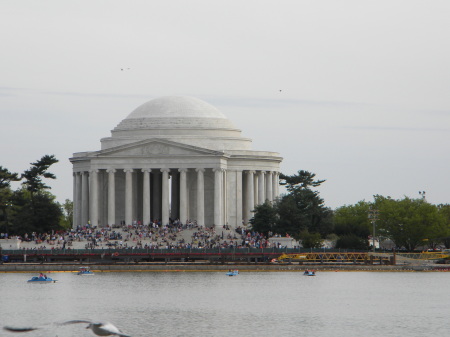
{"x": 173, "y": 158}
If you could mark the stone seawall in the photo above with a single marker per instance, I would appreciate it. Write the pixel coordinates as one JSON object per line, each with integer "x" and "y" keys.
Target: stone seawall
{"x": 31, "y": 268}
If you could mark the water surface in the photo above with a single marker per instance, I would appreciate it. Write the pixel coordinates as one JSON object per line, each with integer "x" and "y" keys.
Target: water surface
{"x": 250, "y": 304}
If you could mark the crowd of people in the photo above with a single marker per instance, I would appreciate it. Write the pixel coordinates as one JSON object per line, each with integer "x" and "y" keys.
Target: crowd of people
{"x": 176, "y": 235}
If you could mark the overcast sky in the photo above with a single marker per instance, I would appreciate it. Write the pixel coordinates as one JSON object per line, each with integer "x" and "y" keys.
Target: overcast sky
{"x": 365, "y": 85}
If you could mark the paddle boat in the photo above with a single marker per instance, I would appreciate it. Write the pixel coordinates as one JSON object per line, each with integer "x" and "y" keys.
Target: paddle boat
{"x": 309, "y": 273}
{"x": 85, "y": 271}
{"x": 41, "y": 279}
{"x": 233, "y": 272}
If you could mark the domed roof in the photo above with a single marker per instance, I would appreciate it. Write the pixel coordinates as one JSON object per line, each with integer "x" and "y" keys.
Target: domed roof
{"x": 185, "y": 120}
{"x": 176, "y": 107}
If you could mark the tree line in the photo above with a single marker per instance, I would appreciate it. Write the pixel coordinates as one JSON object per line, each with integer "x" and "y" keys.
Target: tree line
{"x": 302, "y": 213}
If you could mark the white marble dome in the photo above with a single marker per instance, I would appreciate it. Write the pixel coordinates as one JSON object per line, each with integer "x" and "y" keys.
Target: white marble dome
{"x": 176, "y": 106}
{"x": 183, "y": 119}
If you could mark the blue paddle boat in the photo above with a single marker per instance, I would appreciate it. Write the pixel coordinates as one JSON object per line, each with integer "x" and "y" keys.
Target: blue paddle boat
{"x": 309, "y": 273}
{"x": 41, "y": 279}
{"x": 84, "y": 271}
{"x": 233, "y": 273}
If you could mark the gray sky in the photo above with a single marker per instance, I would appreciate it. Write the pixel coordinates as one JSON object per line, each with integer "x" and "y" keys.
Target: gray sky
{"x": 364, "y": 99}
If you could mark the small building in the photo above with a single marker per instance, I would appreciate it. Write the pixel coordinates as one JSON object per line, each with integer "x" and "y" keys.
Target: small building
{"x": 173, "y": 158}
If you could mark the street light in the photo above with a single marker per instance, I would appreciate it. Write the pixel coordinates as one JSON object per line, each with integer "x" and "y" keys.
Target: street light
{"x": 373, "y": 217}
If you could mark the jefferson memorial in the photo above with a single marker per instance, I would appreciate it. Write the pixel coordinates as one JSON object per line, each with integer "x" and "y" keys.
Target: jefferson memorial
{"x": 173, "y": 158}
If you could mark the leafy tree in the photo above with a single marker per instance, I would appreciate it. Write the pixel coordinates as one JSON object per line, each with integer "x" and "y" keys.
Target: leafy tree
{"x": 67, "y": 219}
{"x": 408, "y": 222}
{"x": 34, "y": 209}
{"x": 43, "y": 215}
{"x": 6, "y": 177}
{"x": 353, "y": 219}
{"x": 290, "y": 217}
{"x": 352, "y": 241}
{"x": 265, "y": 218}
{"x": 310, "y": 240}
{"x": 444, "y": 210}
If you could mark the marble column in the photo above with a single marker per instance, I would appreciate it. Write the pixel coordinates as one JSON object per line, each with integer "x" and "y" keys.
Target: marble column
{"x": 77, "y": 200}
{"x": 128, "y": 196}
{"x": 165, "y": 197}
{"x": 255, "y": 189}
{"x": 175, "y": 195}
{"x": 183, "y": 195}
{"x": 276, "y": 185}
{"x": 238, "y": 194}
{"x": 225, "y": 210}
{"x": 156, "y": 195}
{"x": 249, "y": 196}
{"x": 200, "y": 196}
{"x": 269, "y": 193}
{"x": 261, "y": 187}
{"x": 146, "y": 197}
{"x": 218, "y": 174}
{"x": 84, "y": 198}
{"x": 93, "y": 198}
{"x": 111, "y": 196}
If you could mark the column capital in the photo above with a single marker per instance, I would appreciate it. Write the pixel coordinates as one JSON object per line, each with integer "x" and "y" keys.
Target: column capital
{"x": 250, "y": 172}
{"x": 165, "y": 170}
{"x": 93, "y": 171}
{"x": 128, "y": 170}
{"x": 182, "y": 170}
{"x": 200, "y": 170}
{"x": 111, "y": 170}
{"x": 146, "y": 170}
{"x": 218, "y": 169}
{"x": 262, "y": 172}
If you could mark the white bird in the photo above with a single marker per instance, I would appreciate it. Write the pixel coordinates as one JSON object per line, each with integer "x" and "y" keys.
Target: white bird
{"x": 100, "y": 329}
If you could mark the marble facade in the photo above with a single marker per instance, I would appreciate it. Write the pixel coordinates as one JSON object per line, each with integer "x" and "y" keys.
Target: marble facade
{"x": 173, "y": 157}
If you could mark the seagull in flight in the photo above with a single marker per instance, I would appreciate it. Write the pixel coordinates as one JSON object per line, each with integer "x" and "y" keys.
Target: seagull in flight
{"x": 98, "y": 328}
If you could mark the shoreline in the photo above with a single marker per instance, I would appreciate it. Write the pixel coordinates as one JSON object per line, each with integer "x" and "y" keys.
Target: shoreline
{"x": 161, "y": 267}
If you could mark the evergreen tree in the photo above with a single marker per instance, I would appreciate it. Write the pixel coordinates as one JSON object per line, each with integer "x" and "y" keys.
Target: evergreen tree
{"x": 302, "y": 208}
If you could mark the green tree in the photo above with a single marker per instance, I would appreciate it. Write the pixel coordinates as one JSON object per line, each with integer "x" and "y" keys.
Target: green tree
{"x": 303, "y": 208}
{"x": 310, "y": 240}
{"x": 408, "y": 222}
{"x": 301, "y": 180}
{"x": 42, "y": 215}
{"x": 35, "y": 209}
{"x": 265, "y": 218}
{"x": 33, "y": 176}
{"x": 444, "y": 211}
{"x": 353, "y": 219}
{"x": 6, "y": 177}
{"x": 67, "y": 219}
{"x": 352, "y": 241}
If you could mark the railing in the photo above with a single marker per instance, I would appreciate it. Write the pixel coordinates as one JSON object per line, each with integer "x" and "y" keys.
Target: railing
{"x": 171, "y": 251}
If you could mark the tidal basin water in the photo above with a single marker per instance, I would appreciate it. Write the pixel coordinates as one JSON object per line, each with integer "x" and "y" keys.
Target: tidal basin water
{"x": 250, "y": 304}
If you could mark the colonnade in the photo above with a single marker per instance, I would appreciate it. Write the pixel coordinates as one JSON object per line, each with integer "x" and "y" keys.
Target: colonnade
{"x": 210, "y": 196}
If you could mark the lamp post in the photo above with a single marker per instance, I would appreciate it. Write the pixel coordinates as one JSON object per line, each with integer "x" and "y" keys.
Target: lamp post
{"x": 373, "y": 217}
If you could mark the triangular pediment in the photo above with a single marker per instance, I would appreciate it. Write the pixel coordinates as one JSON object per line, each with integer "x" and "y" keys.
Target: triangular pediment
{"x": 157, "y": 148}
